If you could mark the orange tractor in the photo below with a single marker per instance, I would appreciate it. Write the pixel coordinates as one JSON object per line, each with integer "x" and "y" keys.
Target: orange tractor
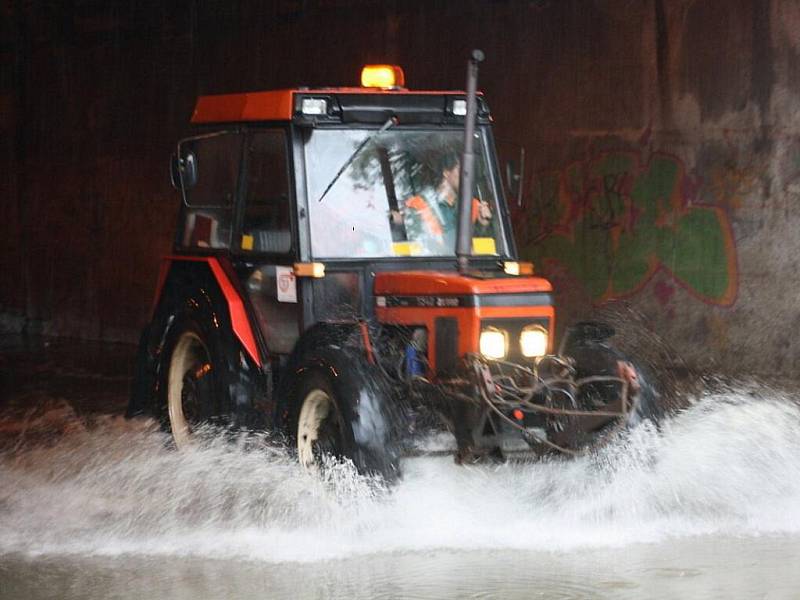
{"x": 344, "y": 273}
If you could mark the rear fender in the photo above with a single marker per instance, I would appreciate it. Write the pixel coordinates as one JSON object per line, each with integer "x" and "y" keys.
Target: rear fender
{"x": 197, "y": 288}
{"x": 209, "y": 270}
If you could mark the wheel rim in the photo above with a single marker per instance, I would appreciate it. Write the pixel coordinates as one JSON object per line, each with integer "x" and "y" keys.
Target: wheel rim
{"x": 188, "y": 367}
{"x": 317, "y": 428}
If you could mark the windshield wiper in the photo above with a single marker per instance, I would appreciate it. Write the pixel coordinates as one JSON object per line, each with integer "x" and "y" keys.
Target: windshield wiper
{"x": 390, "y": 122}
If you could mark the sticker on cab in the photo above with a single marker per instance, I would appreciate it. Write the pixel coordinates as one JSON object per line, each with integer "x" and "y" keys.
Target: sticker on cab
{"x": 287, "y": 284}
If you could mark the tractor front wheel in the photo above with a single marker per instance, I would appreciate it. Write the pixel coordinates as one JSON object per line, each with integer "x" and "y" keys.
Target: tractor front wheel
{"x": 341, "y": 409}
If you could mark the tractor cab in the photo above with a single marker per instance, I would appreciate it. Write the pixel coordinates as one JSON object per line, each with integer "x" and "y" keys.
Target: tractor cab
{"x": 326, "y": 193}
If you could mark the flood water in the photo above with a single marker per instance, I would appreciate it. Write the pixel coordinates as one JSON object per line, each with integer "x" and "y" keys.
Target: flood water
{"x": 93, "y": 506}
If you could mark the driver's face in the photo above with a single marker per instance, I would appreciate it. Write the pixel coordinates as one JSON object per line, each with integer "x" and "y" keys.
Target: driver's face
{"x": 451, "y": 176}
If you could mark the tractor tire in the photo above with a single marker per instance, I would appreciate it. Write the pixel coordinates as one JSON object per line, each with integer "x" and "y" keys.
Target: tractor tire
{"x": 647, "y": 406}
{"x": 340, "y": 408}
{"x": 589, "y": 346}
{"x": 194, "y": 385}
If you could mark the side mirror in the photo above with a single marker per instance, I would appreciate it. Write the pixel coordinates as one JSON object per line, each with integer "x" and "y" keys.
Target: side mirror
{"x": 183, "y": 170}
{"x": 514, "y": 176}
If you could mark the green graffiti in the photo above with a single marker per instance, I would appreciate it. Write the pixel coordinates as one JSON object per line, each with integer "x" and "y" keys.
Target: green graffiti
{"x": 612, "y": 223}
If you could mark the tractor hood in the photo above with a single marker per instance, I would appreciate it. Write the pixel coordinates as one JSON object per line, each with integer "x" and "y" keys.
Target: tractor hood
{"x": 448, "y": 288}
{"x": 454, "y": 308}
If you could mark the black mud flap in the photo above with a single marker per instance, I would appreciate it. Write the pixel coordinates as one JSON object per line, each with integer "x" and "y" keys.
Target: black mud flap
{"x": 143, "y": 385}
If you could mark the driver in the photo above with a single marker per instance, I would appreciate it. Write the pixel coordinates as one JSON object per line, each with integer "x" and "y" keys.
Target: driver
{"x": 433, "y": 214}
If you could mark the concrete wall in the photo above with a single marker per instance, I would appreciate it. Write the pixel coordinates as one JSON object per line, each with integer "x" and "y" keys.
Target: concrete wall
{"x": 662, "y": 139}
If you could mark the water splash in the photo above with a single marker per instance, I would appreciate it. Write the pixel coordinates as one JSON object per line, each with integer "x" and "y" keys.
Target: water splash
{"x": 728, "y": 465}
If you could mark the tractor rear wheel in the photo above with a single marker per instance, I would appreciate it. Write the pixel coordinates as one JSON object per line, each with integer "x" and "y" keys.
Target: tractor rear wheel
{"x": 198, "y": 377}
{"x": 189, "y": 385}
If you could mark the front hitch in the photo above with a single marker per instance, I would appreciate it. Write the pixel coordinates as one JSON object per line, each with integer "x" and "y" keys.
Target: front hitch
{"x": 572, "y": 411}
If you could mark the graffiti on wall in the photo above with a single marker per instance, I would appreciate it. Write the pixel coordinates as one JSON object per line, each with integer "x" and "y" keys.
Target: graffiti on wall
{"x": 613, "y": 221}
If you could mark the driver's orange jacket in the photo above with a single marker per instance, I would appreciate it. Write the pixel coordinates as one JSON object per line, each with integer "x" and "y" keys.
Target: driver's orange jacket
{"x": 430, "y": 220}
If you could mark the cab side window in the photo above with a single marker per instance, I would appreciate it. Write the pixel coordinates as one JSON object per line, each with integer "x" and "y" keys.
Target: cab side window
{"x": 208, "y": 212}
{"x": 266, "y": 226}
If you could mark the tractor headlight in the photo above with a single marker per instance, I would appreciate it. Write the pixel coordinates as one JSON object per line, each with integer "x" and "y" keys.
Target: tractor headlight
{"x": 494, "y": 343}
{"x": 533, "y": 341}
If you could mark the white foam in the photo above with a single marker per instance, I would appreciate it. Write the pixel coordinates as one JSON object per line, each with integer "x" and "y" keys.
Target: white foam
{"x": 728, "y": 465}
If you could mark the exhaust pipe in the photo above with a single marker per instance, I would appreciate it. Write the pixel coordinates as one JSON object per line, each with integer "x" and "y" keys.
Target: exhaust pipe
{"x": 464, "y": 240}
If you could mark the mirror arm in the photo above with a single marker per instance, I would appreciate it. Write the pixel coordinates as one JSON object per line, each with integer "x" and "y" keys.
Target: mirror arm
{"x": 521, "y": 175}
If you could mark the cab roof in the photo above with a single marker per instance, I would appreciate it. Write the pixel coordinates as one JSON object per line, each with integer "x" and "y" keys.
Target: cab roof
{"x": 344, "y": 105}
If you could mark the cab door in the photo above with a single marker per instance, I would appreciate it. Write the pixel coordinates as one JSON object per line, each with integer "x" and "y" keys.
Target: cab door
{"x": 265, "y": 243}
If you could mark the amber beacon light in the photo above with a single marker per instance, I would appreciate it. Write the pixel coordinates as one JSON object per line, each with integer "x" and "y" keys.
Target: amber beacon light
{"x": 382, "y": 76}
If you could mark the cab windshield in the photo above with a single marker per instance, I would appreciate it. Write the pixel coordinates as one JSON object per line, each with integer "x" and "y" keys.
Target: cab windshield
{"x": 395, "y": 193}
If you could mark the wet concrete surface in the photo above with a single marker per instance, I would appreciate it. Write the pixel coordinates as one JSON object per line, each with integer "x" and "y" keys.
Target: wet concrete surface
{"x": 704, "y": 568}
{"x": 47, "y": 384}
{"x": 93, "y": 506}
